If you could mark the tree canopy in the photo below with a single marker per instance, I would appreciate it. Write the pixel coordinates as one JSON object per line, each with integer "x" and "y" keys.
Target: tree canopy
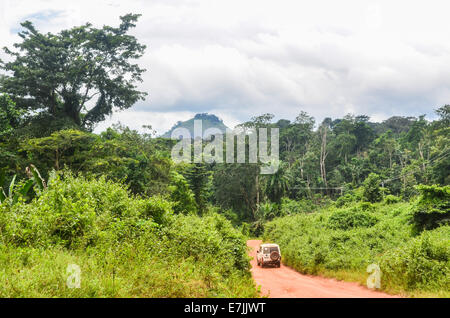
{"x": 81, "y": 74}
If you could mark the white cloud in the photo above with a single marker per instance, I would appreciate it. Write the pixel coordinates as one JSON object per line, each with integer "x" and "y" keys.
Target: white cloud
{"x": 161, "y": 122}
{"x": 238, "y": 59}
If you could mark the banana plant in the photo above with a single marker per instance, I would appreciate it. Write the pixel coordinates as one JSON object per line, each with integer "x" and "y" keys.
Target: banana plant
{"x": 35, "y": 176}
{"x": 14, "y": 193}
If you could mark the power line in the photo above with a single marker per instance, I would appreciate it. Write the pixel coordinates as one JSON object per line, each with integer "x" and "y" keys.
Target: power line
{"x": 305, "y": 188}
{"x": 414, "y": 171}
{"x": 441, "y": 156}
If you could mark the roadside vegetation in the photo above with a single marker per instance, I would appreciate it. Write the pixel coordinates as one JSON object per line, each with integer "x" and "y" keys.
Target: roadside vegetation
{"x": 349, "y": 192}
{"x": 125, "y": 245}
{"x": 342, "y": 241}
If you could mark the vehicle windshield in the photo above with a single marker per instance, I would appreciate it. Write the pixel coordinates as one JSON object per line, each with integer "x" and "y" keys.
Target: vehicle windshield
{"x": 268, "y": 250}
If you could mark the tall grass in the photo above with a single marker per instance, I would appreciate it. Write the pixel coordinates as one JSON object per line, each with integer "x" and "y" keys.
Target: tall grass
{"x": 125, "y": 246}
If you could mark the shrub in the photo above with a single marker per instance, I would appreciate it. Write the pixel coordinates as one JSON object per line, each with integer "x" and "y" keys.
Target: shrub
{"x": 421, "y": 263}
{"x": 231, "y": 216}
{"x": 73, "y": 211}
{"x": 211, "y": 236}
{"x": 266, "y": 211}
{"x": 351, "y": 218}
{"x": 127, "y": 246}
{"x": 290, "y": 207}
{"x": 372, "y": 189}
{"x": 391, "y": 199}
{"x": 245, "y": 229}
{"x": 158, "y": 210}
{"x": 342, "y": 243}
{"x": 432, "y": 209}
{"x": 345, "y": 200}
{"x": 366, "y": 206}
{"x": 181, "y": 195}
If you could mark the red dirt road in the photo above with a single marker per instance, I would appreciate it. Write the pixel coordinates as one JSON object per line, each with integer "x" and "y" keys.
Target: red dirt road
{"x": 284, "y": 282}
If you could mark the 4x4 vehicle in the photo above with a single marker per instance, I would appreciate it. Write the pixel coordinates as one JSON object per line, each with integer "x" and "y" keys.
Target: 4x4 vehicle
{"x": 268, "y": 254}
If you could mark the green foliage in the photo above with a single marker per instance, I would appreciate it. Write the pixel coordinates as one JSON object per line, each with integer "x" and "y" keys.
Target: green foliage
{"x": 65, "y": 147}
{"x": 158, "y": 210}
{"x": 14, "y": 192}
{"x": 277, "y": 185}
{"x": 236, "y": 187}
{"x": 232, "y": 216}
{"x": 124, "y": 154}
{"x": 61, "y": 73}
{"x": 434, "y": 198}
{"x": 266, "y": 211}
{"x": 345, "y": 200}
{"x": 372, "y": 189}
{"x": 328, "y": 242}
{"x": 198, "y": 177}
{"x": 245, "y": 229}
{"x": 35, "y": 176}
{"x": 127, "y": 246}
{"x": 71, "y": 212}
{"x": 351, "y": 218}
{"x": 17, "y": 191}
{"x": 291, "y": 207}
{"x": 11, "y": 118}
{"x": 440, "y": 154}
{"x": 121, "y": 204}
{"x": 432, "y": 208}
{"x": 211, "y": 236}
{"x": 367, "y": 206}
{"x": 181, "y": 195}
{"x": 119, "y": 153}
{"x": 391, "y": 199}
{"x": 420, "y": 263}
{"x": 10, "y": 115}
{"x": 444, "y": 114}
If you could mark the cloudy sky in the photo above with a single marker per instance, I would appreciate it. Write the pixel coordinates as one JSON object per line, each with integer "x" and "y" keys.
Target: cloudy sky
{"x": 238, "y": 59}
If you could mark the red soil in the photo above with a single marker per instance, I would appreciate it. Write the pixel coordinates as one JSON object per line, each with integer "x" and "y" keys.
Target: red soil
{"x": 284, "y": 282}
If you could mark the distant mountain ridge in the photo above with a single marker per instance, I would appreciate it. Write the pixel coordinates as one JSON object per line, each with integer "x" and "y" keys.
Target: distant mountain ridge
{"x": 208, "y": 121}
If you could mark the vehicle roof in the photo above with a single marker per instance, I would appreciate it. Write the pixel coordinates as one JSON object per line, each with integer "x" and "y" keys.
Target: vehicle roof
{"x": 269, "y": 245}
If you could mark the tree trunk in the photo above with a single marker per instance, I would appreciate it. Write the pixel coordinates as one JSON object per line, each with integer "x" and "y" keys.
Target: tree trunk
{"x": 71, "y": 110}
{"x": 257, "y": 189}
{"x": 323, "y": 155}
{"x": 57, "y": 160}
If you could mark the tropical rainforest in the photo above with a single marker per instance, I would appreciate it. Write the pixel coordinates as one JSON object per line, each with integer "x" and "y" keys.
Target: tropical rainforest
{"x": 349, "y": 192}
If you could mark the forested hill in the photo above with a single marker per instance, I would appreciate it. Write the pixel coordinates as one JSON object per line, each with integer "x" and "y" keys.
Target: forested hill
{"x": 208, "y": 121}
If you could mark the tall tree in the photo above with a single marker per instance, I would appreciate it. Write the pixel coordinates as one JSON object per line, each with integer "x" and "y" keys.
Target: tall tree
{"x": 323, "y": 133}
{"x": 198, "y": 177}
{"x": 277, "y": 185}
{"x": 10, "y": 119}
{"x": 444, "y": 114}
{"x": 363, "y": 132}
{"x": 235, "y": 188}
{"x": 296, "y": 137}
{"x": 10, "y": 116}
{"x": 385, "y": 147}
{"x": 82, "y": 73}
{"x": 257, "y": 122}
{"x": 440, "y": 150}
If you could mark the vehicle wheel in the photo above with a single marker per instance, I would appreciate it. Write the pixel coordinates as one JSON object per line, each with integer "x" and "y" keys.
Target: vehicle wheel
{"x": 278, "y": 264}
{"x": 275, "y": 256}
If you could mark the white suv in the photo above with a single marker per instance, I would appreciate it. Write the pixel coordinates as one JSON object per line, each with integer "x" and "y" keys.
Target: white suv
{"x": 268, "y": 254}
